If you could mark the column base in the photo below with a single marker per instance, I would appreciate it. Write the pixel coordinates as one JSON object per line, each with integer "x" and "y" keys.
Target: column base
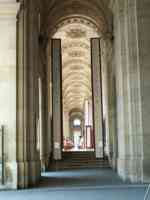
{"x": 23, "y": 174}
{"x": 57, "y": 153}
{"x": 10, "y": 176}
{"x": 113, "y": 163}
{"x": 130, "y": 169}
{"x": 29, "y": 173}
{"x": 99, "y": 152}
{"x": 146, "y": 170}
{"x": 20, "y": 174}
{"x": 34, "y": 172}
{"x": 44, "y": 163}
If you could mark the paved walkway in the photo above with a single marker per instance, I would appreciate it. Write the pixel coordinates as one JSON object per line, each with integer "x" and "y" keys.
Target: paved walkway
{"x": 118, "y": 193}
{"x": 82, "y": 177}
{"x": 80, "y": 184}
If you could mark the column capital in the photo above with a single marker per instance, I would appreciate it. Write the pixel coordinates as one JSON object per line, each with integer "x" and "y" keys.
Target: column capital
{"x": 9, "y": 9}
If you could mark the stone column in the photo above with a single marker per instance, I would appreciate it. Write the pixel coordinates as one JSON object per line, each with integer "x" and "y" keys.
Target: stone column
{"x": 28, "y": 157}
{"x": 22, "y": 159}
{"x": 97, "y": 96}
{"x": 8, "y": 12}
{"x": 105, "y": 75}
{"x": 66, "y": 124}
{"x": 57, "y": 98}
{"x": 128, "y": 92}
{"x": 143, "y": 63}
{"x": 48, "y": 106}
{"x": 32, "y": 92}
{"x": 108, "y": 78}
{"x": 41, "y": 136}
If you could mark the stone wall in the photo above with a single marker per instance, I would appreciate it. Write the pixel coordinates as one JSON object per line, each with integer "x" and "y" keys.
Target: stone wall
{"x": 8, "y": 83}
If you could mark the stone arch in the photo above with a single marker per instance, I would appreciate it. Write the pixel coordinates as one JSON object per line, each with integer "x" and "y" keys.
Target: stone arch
{"x": 94, "y": 12}
{"x": 89, "y": 14}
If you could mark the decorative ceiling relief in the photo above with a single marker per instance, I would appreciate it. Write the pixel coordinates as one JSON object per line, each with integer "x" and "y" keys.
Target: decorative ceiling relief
{"x": 76, "y": 54}
{"x": 75, "y": 35}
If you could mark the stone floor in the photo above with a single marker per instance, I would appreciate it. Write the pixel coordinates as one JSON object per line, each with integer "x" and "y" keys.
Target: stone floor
{"x": 82, "y": 177}
{"x": 80, "y": 184}
{"x": 117, "y": 193}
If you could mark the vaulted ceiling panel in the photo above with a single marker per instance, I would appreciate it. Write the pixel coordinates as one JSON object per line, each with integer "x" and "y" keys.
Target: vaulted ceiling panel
{"x": 75, "y": 35}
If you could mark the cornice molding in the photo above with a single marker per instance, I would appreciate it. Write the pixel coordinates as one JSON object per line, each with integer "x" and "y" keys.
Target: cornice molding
{"x": 9, "y": 9}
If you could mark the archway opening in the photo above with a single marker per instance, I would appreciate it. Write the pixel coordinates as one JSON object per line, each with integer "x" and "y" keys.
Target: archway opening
{"x": 77, "y": 97}
{"x": 74, "y": 49}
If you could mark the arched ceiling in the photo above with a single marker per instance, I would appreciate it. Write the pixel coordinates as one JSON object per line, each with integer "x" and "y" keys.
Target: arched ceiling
{"x": 97, "y": 11}
{"x": 75, "y": 34}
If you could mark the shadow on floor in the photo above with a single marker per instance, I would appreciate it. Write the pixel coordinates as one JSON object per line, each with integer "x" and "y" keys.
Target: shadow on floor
{"x": 82, "y": 177}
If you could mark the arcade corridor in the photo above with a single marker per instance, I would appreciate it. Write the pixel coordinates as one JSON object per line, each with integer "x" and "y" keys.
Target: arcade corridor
{"x": 74, "y": 94}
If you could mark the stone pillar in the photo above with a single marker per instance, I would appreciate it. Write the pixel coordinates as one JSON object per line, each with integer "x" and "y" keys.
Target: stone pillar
{"x": 66, "y": 124}
{"x": 57, "y": 98}
{"x": 22, "y": 159}
{"x": 104, "y": 66}
{"x": 109, "y": 106}
{"x": 143, "y": 63}
{"x": 8, "y": 12}
{"x": 32, "y": 92}
{"x": 41, "y": 136}
{"x": 128, "y": 91}
{"x": 28, "y": 157}
{"x": 97, "y": 96}
{"x": 44, "y": 140}
{"x": 48, "y": 105}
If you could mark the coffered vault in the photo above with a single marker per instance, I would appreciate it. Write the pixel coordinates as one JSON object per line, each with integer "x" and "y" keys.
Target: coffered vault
{"x": 75, "y": 34}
